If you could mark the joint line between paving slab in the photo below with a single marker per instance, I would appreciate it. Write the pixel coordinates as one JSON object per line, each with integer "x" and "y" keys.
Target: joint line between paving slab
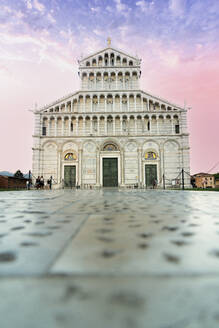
{"x": 67, "y": 243}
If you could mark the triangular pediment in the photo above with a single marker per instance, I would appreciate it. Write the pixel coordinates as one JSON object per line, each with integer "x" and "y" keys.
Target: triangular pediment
{"x": 68, "y": 98}
{"x": 109, "y": 51}
{"x": 58, "y": 102}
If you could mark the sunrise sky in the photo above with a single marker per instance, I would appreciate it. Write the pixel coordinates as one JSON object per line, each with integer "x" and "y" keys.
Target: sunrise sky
{"x": 41, "y": 41}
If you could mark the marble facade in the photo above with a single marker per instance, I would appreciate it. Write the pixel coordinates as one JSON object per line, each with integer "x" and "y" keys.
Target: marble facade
{"x": 111, "y": 117}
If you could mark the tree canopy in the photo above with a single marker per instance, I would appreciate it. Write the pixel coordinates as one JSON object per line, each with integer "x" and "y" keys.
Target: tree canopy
{"x": 18, "y": 174}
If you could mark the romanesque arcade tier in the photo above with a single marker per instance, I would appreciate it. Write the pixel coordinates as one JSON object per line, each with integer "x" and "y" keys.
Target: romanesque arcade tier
{"x": 111, "y": 79}
{"x": 116, "y": 125}
{"x": 109, "y": 57}
{"x": 110, "y": 102}
{"x": 110, "y": 69}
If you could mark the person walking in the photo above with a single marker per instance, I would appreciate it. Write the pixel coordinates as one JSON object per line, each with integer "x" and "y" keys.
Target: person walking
{"x": 38, "y": 182}
{"x": 50, "y": 182}
{"x": 28, "y": 185}
{"x": 41, "y": 182}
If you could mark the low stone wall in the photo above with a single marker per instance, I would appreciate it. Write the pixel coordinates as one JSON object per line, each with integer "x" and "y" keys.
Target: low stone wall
{"x": 12, "y": 183}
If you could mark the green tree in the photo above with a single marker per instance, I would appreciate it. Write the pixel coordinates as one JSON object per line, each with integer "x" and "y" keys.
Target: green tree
{"x": 18, "y": 174}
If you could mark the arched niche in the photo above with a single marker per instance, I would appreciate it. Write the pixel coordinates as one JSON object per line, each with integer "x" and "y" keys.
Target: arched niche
{"x": 70, "y": 156}
{"x": 110, "y": 146}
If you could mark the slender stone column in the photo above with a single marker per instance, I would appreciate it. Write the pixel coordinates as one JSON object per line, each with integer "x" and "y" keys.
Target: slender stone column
{"x": 95, "y": 79}
{"x": 120, "y": 103}
{"x": 55, "y": 126}
{"x": 78, "y": 105}
{"x": 116, "y": 81}
{"x": 148, "y": 105}
{"x": 69, "y": 125}
{"x": 91, "y": 125}
{"x": 128, "y": 103}
{"x": 172, "y": 126}
{"x": 98, "y": 166}
{"x": 70, "y": 106}
{"x": 84, "y": 98}
{"x": 65, "y": 107}
{"x": 122, "y": 167}
{"x": 139, "y": 167}
{"x": 121, "y": 125}
{"x": 98, "y": 125}
{"x": 114, "y": 125}
{"x": 113, "y": 103}
{"x": 84, "y": 127}
{"x": 49, "y": 126}
{"x": 142, "y": 124}
{"x": 142, "y": 104}
{"x": 162, "y": 168}
{"x": 105, "y": 104}
{"x": 63, "y": 121}
{"x": 135, "y": 103}
{"x": 91, "y": 104}
{"x": 136, "y": 127}
{"x": 157, "y": 125}
{"x": 59, "y": 166}
{"x": 80, "y": 153}
{"x": 77, "y": 126}
{"x": 128, "y": 125}
{"x": 105, "y": 124}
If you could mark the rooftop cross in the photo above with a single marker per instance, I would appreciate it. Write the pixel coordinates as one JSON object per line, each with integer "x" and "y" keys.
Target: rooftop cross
{"x": 109, "y": 41}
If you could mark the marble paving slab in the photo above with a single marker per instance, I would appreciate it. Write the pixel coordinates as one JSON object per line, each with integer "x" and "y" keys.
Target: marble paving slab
{"x": 109, "y": 258}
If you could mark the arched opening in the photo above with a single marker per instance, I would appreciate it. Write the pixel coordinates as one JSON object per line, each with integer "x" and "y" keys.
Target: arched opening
{"x": 124, "y": 62}
{"x": 112, "y": 59}
{"x": 151, "y": 169}
{"x": 118, "y": 60}
{"x": 99, "y": 80}
{"x": 100, "y": 60}
{"x": 110, "y": 159}
{"x": 106, "y": 59}
{"x": 70, "y": 170}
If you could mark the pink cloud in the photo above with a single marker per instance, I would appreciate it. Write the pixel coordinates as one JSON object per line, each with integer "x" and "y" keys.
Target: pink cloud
{"x": 35, "y": 68}
{"x": 196, "y": 80}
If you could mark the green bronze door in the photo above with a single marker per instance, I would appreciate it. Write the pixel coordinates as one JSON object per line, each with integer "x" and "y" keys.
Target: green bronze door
{"x": 110, "y": 172}
{"x": 150, "y": 175}
{"x": 69, "y": 176}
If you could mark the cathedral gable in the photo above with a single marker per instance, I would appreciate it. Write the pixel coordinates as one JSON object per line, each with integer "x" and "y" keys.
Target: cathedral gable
{"x": 109, "y": 57}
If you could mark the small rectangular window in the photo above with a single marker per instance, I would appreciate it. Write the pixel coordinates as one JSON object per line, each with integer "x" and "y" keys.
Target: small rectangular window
{"x": 177, "y": 129}
{"x": 44, "y": 131}
{"x": 148, "y": 126}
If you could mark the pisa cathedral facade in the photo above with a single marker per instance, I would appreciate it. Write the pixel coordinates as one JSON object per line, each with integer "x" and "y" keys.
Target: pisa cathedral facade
{"x": 110, "y": 133}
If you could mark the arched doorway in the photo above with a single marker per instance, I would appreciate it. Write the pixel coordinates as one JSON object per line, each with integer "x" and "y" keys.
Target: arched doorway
{"x": 70, "y": 170}
{"x": 110, "y": 165}
{"x": 151, "y": 169}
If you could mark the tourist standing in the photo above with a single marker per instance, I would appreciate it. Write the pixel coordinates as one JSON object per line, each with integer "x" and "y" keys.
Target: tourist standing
{"x": 41, "y": 182}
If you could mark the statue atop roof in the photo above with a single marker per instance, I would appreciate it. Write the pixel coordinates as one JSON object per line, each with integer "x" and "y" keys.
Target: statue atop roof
{"x": 109, "y": 41}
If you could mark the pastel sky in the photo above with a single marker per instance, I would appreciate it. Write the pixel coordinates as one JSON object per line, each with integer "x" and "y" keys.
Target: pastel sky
{"x": 41, "y": 41}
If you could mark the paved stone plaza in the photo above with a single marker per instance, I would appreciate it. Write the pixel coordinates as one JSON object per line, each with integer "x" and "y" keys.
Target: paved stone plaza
{"x": 109, "y": 258}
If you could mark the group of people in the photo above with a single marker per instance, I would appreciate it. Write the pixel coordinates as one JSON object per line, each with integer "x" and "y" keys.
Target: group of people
{"x": 40, "y": 182}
